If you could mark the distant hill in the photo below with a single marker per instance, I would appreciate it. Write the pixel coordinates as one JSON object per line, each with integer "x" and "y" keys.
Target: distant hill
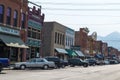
{"x": 113, "y": 39}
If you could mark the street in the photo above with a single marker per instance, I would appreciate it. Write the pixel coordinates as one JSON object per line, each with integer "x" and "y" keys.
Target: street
{"x": 107, "y": 72}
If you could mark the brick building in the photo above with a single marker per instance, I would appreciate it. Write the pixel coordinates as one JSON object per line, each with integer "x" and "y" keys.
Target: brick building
{"x": 34, "y": 36}
{"x": 81, "y": 38}
{"x": 105, "y": 49}
{"x": 113, "y": 52}
{"x": 13, "y": 33}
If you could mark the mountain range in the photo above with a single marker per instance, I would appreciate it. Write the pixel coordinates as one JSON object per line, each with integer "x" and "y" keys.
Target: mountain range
{"x": 113, "y": 39}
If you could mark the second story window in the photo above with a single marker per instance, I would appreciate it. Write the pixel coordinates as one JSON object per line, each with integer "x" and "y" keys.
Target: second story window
{"x": 1, "y": 13}
{"x": 8, "y": 18}
{"x": 23, "y": 20}
{"x": 15, "y": 18}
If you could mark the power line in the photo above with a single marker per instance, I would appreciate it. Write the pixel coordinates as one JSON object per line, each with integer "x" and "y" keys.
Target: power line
{"x": 66, "y": 9}
{"x": 83, "y": 15}
{"x": 78, "y": 4}
{"x": 94, "y": 24}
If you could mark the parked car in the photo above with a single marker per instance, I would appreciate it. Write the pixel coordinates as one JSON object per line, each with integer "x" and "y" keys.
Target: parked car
{"x": 106, "y": 62}
{"x": 4, "y": 62}
{"x": 65, "y": 62}
{"x": 100, "y": 62}
{"x": 77, "y": 62}
{"x": 35, "y": 63}
{"x": 113, "y": 61}
{"x": 91, "y": 62}
{"x": 58, "y": 62}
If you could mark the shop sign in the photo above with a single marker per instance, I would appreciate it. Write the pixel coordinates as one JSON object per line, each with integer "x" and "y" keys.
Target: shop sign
{"x": 32, "y": 42}
{"x": 9, "y": 31}
{"x": 34, "y": 24}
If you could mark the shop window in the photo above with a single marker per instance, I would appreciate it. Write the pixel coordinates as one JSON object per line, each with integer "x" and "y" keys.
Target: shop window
{"x": 15, "y": 18}
{"x": 8, "y": 18}
{"x": 23, "y": 20}
{"x": 1, "y": 13}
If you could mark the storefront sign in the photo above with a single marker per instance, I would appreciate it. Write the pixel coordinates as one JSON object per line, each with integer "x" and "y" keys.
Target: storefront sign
{"x": 9, "y": 31}
{"x": 34, "y": 24}
{"x": 35, "y": 43}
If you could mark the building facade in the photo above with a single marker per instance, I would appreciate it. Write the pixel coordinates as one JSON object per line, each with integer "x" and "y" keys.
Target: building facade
{"x": 105, "y": 49}
{"x": 69, "y": 38}
{"x": 54, "y": 40}
{"x": 13, "y": 24}
{"x": 81, "y": 38}
{"x": 34, "y": 35}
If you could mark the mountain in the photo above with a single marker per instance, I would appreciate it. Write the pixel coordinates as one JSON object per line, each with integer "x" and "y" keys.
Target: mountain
{"x": 113, "y": 39}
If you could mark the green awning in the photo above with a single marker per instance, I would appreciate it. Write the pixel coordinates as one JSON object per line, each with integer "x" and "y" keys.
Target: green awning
{"x": 71, "y": 52}
{"x": 12, "y": 41}
{"x": 60, "y": 50}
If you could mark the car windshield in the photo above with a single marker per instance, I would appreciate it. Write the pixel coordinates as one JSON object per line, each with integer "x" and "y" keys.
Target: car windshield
{"x": 45, "y": 60}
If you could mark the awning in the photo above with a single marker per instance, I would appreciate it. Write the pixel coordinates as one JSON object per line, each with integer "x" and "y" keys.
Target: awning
{"x": 80, "y": 54}
{"x": 59, "y": 50}
{"x": 71, "y": 52}
{"x": 12, "y": 41}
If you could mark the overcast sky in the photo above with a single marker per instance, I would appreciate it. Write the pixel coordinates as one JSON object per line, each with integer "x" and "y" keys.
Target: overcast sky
{"x": 102, "y": 16}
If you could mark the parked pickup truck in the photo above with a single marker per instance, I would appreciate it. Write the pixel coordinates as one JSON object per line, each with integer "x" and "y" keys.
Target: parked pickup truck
{"x": 4, "y": 62}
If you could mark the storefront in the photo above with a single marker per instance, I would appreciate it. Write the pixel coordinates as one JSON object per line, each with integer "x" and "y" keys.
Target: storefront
{"x": 11, "y": 45}
{"x": 61, "y": 53}
{"x": 34, "y": 48}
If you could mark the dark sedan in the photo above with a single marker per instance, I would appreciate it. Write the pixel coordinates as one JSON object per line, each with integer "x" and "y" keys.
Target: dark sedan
{"x": 91, "y": 62}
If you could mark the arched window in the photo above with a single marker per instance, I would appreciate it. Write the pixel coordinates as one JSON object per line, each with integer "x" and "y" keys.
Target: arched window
{"x": 8, "y": 18}
{"x": 23, "y": 20}
{"x": 1, "y": 13}
{"x": 15, "y": 17}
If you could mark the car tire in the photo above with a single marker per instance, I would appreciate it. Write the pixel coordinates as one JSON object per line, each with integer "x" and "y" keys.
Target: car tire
{"x": 85, "y": 65}
{"x": 63, "y": 66}
{"x": 56, "y": 66}
{"x": 45, "y": 67}
{"x": 22, "y": 67}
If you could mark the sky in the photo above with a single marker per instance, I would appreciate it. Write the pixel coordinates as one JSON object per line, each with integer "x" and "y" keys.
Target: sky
{"x": 101, "y": 16}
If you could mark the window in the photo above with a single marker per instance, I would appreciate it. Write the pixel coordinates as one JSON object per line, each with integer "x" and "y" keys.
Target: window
{"x": 55, "y": 37}
{"x": 8, "y": 20}
{"x": 1, "y": 13}
{"x": 15, "y": 18}
{"x": 23, "y": 20}
{"x": 63, "y": 38}
{"x": 39, "y": 35}
{"x": 29, "y": 33}
{"x": 58, "y": 38}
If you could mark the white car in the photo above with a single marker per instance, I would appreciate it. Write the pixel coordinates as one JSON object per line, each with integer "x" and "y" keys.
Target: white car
{"x": 35, "y": 63}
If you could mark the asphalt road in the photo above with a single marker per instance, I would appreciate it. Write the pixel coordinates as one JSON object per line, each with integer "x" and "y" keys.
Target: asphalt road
{"x": 107, "y": 72}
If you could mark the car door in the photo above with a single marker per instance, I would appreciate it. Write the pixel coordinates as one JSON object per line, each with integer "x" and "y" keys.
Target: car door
{"x": 31, "y": 63}
{"x": 40, "y": 63}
